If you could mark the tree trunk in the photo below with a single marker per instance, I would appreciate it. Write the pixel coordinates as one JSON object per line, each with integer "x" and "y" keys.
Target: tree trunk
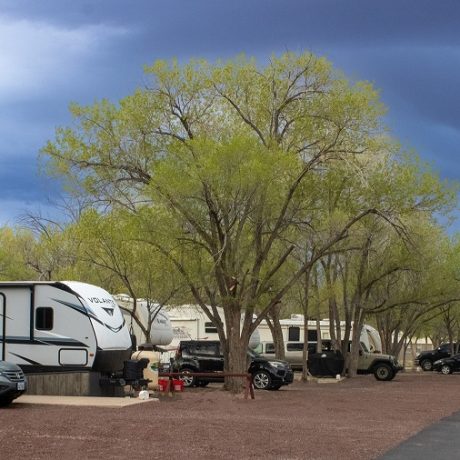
{"x": 355, "y": 343}
{"x": 277, "y": 332}
{"x": 235, "y": 349}
{"x": 305, "y": 326}
{"x": 305, "y": 345}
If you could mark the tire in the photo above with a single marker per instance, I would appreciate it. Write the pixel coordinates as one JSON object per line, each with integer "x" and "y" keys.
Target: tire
{"x": 189, "y": 380}
{"x": 261, "y": 380}
{"x": 426, "y": 365}
{"x": 383, "y": 372}
{"x": 445, "y": 369}
{"x": 202, "y": 383}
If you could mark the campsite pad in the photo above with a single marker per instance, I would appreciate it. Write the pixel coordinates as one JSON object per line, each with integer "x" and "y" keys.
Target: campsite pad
{"x": 96, "y": 401}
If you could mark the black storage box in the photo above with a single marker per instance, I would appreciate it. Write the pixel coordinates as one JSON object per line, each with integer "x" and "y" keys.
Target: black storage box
{"x": 134, "y": 369}
{"x": 327, "y": 363}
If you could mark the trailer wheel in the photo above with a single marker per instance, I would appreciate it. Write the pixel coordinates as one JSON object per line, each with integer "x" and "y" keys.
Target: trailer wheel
{"x": 189, "y": 380}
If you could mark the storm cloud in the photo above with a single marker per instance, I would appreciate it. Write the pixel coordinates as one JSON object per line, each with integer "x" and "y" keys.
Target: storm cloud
{"x": 55, "y": 52}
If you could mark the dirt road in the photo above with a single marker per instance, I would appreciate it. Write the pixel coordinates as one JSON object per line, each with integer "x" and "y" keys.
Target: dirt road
{"x": 354, "y": 419}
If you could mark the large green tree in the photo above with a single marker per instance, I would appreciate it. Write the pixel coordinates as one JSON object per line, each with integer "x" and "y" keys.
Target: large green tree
{"x": 222, "y": 166}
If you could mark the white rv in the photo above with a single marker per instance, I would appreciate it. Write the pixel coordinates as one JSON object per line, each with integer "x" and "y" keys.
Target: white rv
{"x": 61, "y": 326}
{"x": 189, "y": 322}
{"x": 293, "y": 332}
{"x": 161, "y": 332}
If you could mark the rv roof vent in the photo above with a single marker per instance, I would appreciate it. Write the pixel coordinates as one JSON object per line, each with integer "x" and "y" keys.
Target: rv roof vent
{"x": 124, "y": 297}
{"x": 296, "y": 316}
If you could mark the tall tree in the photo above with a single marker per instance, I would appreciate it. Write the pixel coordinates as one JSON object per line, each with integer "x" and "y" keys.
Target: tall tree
{"x": 217, "y": 162}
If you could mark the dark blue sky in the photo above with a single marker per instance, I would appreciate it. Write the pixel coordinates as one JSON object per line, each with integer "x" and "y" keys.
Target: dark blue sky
{"x": 53, "y": 52}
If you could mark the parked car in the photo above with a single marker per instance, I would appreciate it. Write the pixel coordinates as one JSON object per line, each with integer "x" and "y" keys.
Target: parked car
{"x": 426, "y": 358}
{"x": 206, "y": 356}
{"x": 13, "y": 382}
{"x": 447, "y": 365}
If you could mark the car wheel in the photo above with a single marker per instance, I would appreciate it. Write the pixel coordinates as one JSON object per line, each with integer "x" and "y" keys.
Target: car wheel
{"x": 189, "y": 380}
{"x": 383, "y": 372}
{"x": 261, "y": 380}
{"x": 446, "y": 369}
{"x": 426, "y": 365}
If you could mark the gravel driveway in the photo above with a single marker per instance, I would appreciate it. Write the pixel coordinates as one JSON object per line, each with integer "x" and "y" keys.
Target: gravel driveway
{"x": 355, "y": 419}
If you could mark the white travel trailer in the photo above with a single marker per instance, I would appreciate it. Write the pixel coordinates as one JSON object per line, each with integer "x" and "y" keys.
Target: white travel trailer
{"x": 161, "y": 332}
{"x": 293, "y": 332}
{"x": 189, "y": 322}
{"x": 61, "y": 326}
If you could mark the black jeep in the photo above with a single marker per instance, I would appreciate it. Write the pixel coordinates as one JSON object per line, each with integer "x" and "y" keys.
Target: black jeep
{"x": 206, "y": 356}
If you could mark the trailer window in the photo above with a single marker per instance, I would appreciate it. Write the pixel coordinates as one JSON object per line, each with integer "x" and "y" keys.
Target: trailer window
{"x": 294, "y": 334}
{"x": 44, "y": 318}
{"x": 298, "y": 346}
{"x": 210, "y": 328}
{"x": 313, "y": 335}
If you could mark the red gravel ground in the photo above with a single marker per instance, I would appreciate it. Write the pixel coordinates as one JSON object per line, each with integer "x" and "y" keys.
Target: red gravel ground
{"x": 355, "y": 419}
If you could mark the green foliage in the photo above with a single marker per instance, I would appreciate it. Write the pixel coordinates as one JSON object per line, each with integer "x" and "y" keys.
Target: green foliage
{"x": 13, "y": 263}
{"x": 241, "y": 179}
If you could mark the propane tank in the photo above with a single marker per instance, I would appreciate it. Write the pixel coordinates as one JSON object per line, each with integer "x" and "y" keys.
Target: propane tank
{"x": 151, "y": 371}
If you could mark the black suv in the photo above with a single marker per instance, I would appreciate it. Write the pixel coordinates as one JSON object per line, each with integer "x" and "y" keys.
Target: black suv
{"x": 206, "y": 356}
{"x": 426, "y": 358}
